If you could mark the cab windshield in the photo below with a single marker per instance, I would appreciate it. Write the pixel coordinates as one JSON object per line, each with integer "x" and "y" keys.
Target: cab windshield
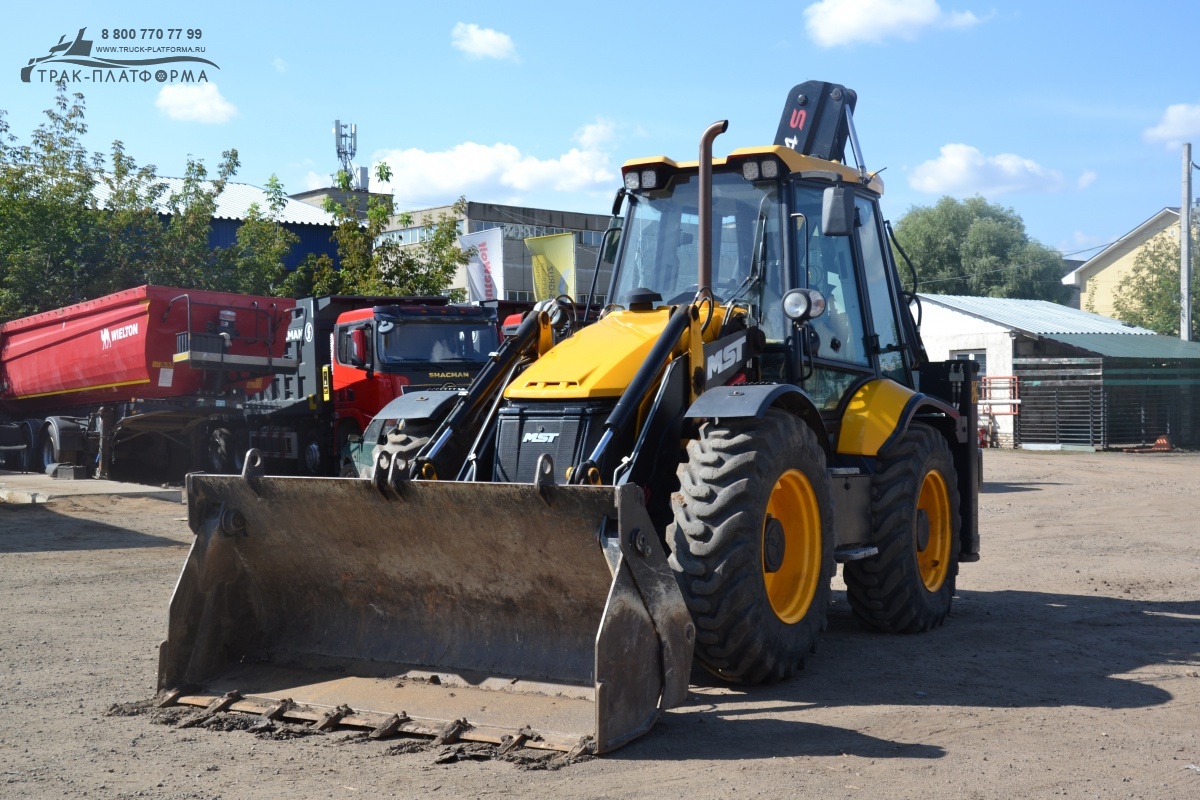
{"x": 435, "y": 342}
{"x": 661, "y": 248}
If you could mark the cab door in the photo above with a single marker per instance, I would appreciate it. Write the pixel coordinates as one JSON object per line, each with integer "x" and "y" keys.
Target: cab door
{"x": 835, "y": 351}
{"x": 886, "y": 340}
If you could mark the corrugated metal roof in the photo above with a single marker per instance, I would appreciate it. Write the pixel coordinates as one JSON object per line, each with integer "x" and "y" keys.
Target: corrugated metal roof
{"x": 1039, "y": 317}
{"x": 1115, "y": 345}
{"x": 234, "y": 203}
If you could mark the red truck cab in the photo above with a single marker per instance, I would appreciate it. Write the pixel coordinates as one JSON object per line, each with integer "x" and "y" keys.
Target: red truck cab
{"x": 379, "y": 353}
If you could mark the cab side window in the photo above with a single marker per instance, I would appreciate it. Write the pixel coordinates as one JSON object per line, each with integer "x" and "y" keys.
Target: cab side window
{"x": 883, "y": 312}
{"x": 343, "y": 345}
{"x": 831, "y": 272}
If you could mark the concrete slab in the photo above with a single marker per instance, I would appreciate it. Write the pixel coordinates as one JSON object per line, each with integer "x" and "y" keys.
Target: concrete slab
{"x": 32, "y": 488}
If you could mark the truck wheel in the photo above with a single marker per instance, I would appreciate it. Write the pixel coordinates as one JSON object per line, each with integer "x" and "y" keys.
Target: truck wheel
{"x": 752, "y": 545}
{"x": 47, "y": 452}
{"x": 908, "y": 587}
{"x": 226, "y": 451}
{"x": 314, "y": 461}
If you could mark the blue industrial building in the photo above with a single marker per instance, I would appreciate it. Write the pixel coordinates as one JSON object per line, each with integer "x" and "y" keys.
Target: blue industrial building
{"x": 313, "y": 226}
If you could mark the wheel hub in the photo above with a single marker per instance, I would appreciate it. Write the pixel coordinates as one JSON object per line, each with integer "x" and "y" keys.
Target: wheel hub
{"x": 774, "y": 545}
{"x": 922, "y": 530}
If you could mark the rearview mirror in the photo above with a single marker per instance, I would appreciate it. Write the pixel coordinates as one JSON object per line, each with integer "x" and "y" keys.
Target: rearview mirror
{"x": 837, "y": 211}
{"x": 612, "y": 242}
{"x": 358, "y": 348}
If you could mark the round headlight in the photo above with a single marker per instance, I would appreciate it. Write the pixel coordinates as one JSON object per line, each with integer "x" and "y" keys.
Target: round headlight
{"x": 631, "y": 181}
{"x": 796, "y": 304}
{"x": 817, "y": 304}
{"x": 803, "y": 304}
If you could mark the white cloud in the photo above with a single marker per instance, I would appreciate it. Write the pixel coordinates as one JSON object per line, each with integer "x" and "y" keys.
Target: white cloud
{"x": 195, "y": 102}
{"x": 499, "y": 171}
{"x": 479, "y": 42}
{"x": 961, "y": 171}
{"x": 1179, "y": 123}
{"x": 314, "y": 181}
{"x": 280, "y": 65}
{"x": 839, "y": 22}
{"x": 1086, "y": 179}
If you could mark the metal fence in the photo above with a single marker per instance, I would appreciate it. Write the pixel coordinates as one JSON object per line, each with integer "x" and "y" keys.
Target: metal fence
{"x": 1107, "y": 402}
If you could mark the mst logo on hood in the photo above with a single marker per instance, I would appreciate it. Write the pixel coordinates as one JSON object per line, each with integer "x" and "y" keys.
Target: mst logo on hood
{"x": 110, "y": 335}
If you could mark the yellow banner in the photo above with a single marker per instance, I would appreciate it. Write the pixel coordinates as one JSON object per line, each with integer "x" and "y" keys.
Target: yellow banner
{"x": 553, "y": 265}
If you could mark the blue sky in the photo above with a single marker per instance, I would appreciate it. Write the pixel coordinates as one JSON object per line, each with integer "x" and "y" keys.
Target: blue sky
{"x": 1070, "y": 113}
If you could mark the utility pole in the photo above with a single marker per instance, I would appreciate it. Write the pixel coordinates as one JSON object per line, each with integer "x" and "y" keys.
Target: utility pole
{"x": 1185, "y": 248}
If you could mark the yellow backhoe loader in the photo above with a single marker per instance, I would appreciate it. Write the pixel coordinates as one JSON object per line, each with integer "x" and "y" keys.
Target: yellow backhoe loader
{"x": 537, "y": 559}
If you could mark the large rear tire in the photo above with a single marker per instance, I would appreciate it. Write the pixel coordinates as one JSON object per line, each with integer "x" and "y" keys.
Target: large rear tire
{"x": 909, "y": 586}
{"x": 752, "y": 545}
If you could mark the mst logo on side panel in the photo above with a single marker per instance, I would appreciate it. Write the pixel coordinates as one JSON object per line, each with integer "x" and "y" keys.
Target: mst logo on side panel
{"x": 539, "y": 437}
{"x": 727, "y": 357}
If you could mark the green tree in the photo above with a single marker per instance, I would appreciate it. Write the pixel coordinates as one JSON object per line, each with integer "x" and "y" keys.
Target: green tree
{"x": 262, "y": 245}
{"x": 130, "y": 228}
{"x": 185, "y": 258}
{"x": 49, "y": 254}
{"x": 59, "y": 246}
{"x": 1149, "y": 294}
{"x": 973, "y": 247}
{"x": 373, "y": 267}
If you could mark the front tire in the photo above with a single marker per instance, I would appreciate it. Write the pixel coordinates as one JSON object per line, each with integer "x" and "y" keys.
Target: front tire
{"x": 908, "y": 587}
{"x": 752, "y": 545}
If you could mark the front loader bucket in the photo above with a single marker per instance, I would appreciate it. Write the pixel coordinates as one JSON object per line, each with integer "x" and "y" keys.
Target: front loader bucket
{"x": 508, "y": 613}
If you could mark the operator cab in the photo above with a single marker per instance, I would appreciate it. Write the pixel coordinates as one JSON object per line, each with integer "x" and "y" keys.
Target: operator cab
{"x": 782, "y": 220}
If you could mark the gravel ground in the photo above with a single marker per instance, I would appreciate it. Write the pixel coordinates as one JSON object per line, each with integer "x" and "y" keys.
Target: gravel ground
{"x": 1070, "y": 667}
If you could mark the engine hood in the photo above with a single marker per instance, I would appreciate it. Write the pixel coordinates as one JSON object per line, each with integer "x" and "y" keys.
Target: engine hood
{"x": 598, "y": 361}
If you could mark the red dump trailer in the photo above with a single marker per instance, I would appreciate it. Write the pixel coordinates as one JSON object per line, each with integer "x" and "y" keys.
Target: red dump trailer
{"x": 152, "y": 378}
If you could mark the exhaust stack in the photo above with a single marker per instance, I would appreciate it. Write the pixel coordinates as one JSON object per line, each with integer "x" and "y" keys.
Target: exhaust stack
{"x": 704, "y": 281}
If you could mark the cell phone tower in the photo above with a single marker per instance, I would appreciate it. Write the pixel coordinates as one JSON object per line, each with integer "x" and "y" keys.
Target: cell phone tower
{"x": 345, "y": 139}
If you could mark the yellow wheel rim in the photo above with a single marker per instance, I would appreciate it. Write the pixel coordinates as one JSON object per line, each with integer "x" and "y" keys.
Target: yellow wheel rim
{"x": 934, "y": 560}
{"x": 791, "y": 588}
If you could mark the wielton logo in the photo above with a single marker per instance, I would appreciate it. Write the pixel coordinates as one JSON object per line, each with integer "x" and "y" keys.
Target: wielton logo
{"x": 53, "y": 67}
{"x": 110, "y": 335}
